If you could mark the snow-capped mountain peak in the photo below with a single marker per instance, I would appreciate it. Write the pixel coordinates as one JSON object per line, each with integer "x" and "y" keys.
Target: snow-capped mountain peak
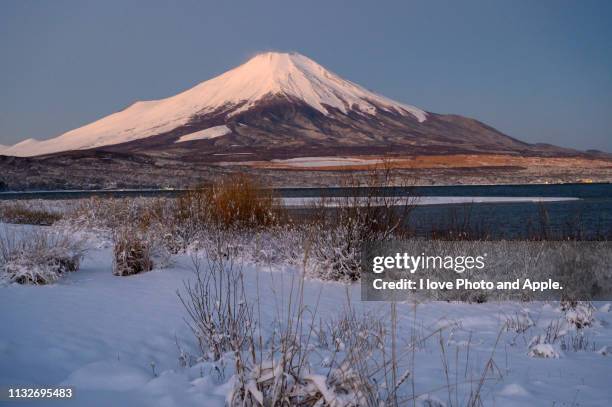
{"x": 294, "y": 75}
{"x": 238, "y": 90}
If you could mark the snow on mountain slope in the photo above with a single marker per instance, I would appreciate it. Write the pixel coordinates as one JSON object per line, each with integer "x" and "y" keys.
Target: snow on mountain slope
{"x": 235, "y": 91}
{"x": 2, "y": 148}
{"x": 211, "y": 132}
{"x": 22, "y": 148}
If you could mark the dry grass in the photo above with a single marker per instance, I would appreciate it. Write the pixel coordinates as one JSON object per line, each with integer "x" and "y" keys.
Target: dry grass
{"x": 131, "y": 254}
{"x": 219, "y": 315}
{"x": 364, "y": 361}
{"x": 338, "y": 235}
{"x": 38, "y": 257}
{"x": 19, "y": 213}
{"x": 240, "y": 200}
{"x": 237, "y": 200}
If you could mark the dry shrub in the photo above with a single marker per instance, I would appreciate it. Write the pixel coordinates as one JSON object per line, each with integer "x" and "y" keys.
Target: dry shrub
{"x": 242, "y": 201}
{"x": 219, "y": 315}
{"x": 104, "y": 213}
{"x": 235, "y": 201}
{"x": 131, "y": 253}
{"x": 115, "y": 213}
{"x": 149, "y": 221}
{"x": 190, "y": 217}
{"x": 20, "y": 213}
{"x": 267, "y": 370}
{"x": 341, "y": 226}
{"x": 578, "y": 342}
{"x": 38, "y": 257}
{"x": 580, "y": 314}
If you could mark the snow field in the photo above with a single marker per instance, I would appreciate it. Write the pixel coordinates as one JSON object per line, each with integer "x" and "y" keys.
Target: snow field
{"x": 119, "y": 340}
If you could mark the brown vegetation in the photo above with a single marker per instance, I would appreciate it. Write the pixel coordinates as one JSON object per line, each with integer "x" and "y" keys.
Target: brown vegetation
{"x": 38, "y": 257}
{"x": 131, "y": 254}
{"x": 17, "y": 212}
{"x": 237, "y": 200}
{"x": 459, "y": 161}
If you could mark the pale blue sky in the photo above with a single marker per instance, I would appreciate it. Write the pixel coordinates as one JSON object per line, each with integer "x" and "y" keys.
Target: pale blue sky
{"x": 536, "y": 70}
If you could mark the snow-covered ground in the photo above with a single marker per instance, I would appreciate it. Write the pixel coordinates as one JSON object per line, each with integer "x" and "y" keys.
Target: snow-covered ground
{"x": 115, "y": 340}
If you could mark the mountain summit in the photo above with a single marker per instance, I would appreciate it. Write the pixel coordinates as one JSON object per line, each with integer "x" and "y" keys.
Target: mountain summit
{"x": 277, "y": 105}
{"x": 294, "y": 76}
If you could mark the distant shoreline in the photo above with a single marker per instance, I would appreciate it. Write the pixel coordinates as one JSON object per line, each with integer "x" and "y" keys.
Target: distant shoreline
{"x": 293, "y": 192}
{"x": 312, "y": 187}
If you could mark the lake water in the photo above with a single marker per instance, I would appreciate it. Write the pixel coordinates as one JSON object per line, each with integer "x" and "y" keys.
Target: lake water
{"x": 588, "y": 217}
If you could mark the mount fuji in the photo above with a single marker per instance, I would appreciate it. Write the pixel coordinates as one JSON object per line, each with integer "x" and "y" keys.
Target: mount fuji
{"x": 279, "y": 105}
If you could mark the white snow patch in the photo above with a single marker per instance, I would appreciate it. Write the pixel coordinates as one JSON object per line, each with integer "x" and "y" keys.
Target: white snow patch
{"x": 427, "y": 400}
{"x": 113, "y": 376}
{"x": 514, "y": 389}
{"x": 543, "y": 350}
{"x": 320, "y": 383}
{"x": 233, "y": 154}
{"x": 210, "y": 133}
{"x": 424, "y": 200}
{"x": 313, "y": 162}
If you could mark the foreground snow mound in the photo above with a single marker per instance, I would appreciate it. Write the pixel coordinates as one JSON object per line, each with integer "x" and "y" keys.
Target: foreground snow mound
{"x": 113, "y": 376}
{"x": 605, "y": 351}
{"x": 428, "y": 400}
{"x": 514, "y": 389}
{"x": 544, "y": 350}
{"x": 581, "y": 315}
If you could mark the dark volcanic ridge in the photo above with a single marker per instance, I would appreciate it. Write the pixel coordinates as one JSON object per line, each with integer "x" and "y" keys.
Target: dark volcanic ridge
{"x": 282, "y": 127}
